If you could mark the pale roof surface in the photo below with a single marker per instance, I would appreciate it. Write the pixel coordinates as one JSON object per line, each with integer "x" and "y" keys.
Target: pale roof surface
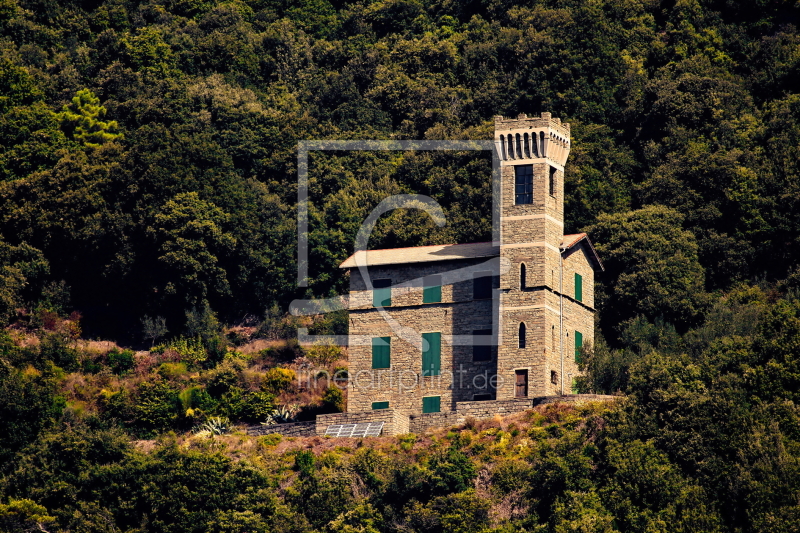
{"x": 423, "y": 254}
{"x": 450, "y": 252}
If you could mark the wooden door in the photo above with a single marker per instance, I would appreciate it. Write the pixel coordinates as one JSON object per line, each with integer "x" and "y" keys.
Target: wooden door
{"x": 522, "y": 384}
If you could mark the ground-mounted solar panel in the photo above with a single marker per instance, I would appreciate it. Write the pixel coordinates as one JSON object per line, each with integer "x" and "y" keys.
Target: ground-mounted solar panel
{"x": 365, "y": 429}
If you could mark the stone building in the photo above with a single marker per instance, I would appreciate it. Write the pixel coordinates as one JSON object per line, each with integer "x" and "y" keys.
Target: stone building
{"x": 436, "y": 329}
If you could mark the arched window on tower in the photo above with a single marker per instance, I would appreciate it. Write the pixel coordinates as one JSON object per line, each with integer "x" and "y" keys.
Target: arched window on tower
{"x": 523, "y": 281}
{"x": 522, "y": 335}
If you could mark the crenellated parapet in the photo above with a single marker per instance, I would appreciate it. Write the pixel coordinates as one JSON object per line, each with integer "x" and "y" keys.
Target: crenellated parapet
{"x": 529, "y": 138}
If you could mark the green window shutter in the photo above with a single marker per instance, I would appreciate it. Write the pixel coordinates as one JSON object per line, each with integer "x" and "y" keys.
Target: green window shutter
{"x": 431, "y": 404}
{"x": 578, "y": 287}
{"x": 578, "y": 346}
{"x": 382, "y": 293}
{"x": 381, "y": 352}
{"x": 432, "y": 289}
{"x": 431, "y": 357}
{"x": 380, "y": 405}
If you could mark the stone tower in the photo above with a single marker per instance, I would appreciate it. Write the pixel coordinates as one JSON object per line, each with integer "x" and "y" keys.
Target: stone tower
{"x": 533, "y": 338}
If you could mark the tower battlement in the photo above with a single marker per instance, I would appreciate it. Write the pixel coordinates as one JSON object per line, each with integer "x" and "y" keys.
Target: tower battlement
{"x": 532, "y": 138}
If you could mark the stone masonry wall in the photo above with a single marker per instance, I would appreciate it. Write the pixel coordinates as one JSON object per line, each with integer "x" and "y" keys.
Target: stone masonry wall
{"x": 455, "y": 317}
{"x": 295, "y": 429}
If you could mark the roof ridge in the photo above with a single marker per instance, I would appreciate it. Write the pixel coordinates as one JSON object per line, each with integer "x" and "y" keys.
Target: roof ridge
{"x": 425, "y": 246}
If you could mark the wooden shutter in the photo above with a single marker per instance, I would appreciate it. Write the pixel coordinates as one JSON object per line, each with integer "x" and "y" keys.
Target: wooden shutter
{"x": 431, "y": 404}
{"x": 578, "y": 346}
{"x": 381, "y": 352}
{"x": 380, "y": 405}
{"x": 431, "y": 357}
{"x": 382, "y": 293}
{"x": 432, "y": 289}
{"x": 578, "y": 287}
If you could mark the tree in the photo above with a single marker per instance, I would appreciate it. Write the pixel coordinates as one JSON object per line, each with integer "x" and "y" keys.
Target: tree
{"x": 21, "y": 270}
{"x": 23, "y": 516}
{"x": 154, "y": 328}
{"x": 28, "y": 404}
{"x": 82, "y": 120}
{"x": 652, "y": 268}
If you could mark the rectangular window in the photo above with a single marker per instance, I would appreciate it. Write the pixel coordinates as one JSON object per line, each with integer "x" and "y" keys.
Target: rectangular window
{"x": 523, "y": 184}
{"x": 578, "y": 287}
{"x": 432, "y": 289}
{"x": 552, "y": 185}
{"x": 578, "y": 346}
{"x": 382, "y": 293}
{"x": 380, "y": 405}
{"x": 481, "y": 349}
{"x": 431, "y": 404}
{"x": 482, "y": 397}
{"x": 381, "y": 352}
{"x": 431, "y": 353}
{"x": 482, "y": 286}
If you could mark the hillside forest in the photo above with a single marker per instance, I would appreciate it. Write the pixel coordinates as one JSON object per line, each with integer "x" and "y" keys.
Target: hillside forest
{"x": 148, "y": 256}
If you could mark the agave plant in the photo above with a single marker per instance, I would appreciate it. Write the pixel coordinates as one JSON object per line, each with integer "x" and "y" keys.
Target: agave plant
{"x": 282, "y": 415}
{"x": 213, "y": 426}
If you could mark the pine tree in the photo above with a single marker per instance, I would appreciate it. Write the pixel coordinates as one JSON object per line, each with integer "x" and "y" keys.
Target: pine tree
{"x": 83, "y": 120}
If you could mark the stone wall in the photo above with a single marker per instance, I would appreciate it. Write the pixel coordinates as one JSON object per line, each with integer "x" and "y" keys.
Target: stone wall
{"x": 464, "y": 410}
{"x": 489, "y": 409}
{"x": 455, "y": 317}
{"x": 294, "y": 429}
{"x": 576, "y": 398}
{"x": 398, "y": 423}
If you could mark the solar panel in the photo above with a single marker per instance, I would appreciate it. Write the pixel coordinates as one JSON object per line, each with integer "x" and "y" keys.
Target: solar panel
{"x": 365, "y": 429}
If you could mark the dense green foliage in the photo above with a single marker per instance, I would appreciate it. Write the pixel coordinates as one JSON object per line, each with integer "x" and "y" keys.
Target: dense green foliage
{"x": 148, "y": 194}
{"x": 148, "y": 149}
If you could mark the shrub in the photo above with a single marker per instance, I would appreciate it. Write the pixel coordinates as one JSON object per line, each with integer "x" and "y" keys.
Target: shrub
{"x": 288, "y": 351}
{"x": 258, "y": 406}
{"x": 451, "y": 472}
{"x": 120, "y": 362}
{"x": 56, "y": 347}
{"x": 115, "y": 405}
{"x": 238, "y": 404}
{"x": 324, "y": 355}
{"x": 156, "y": 407}
{"x": 196, "y": 397}
{"x": 273, "y": 439}
{"x": 172, "y": 370}
{"x": 191, "y": 350}
{"x": 221, "y": 381}
{"x": 277, "y": 380}
{"x": 334, "y": 399}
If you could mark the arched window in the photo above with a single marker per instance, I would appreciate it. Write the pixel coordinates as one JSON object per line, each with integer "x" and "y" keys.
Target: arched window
{"x": 522, "y": 335}
{"x": 518, "y": 147}
{"x": 522, "y": 277}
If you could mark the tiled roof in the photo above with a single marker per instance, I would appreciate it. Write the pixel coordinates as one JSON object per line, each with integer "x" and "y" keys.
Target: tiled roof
{"x": 422, "y": 254}
{"x": 574, "y": 239}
